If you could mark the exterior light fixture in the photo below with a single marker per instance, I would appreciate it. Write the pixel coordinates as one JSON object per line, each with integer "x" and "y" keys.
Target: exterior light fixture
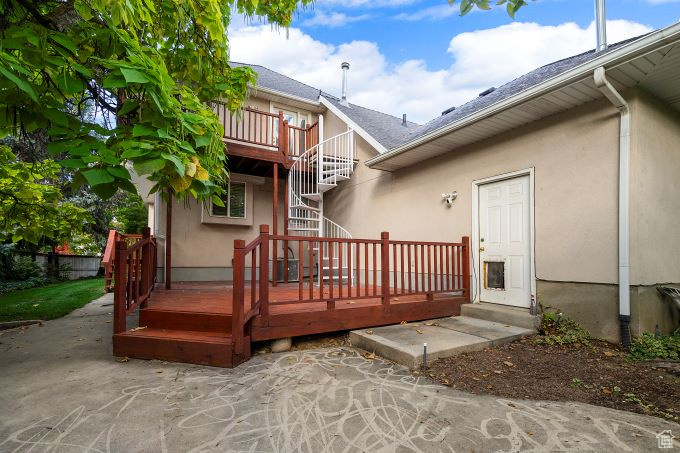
{"x": 449, "y": 197}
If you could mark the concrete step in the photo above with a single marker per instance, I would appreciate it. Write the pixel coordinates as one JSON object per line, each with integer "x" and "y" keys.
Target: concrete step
{"x": 445, "y": 337}
{"x": 499, "y": 313}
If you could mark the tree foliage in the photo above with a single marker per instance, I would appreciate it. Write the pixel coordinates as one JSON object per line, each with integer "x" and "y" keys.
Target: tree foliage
{"x": 31, "y": 205}
{"x": 511, "y": 6}
{"x": 130, "y": 216}
{"x": 149, "y": 68}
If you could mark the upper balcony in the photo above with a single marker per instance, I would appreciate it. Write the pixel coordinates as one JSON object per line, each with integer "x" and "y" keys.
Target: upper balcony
{"x": 261, "y": 135}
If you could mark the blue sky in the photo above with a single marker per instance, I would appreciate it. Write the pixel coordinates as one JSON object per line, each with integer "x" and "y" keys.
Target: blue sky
{"x": 403, "y": 50}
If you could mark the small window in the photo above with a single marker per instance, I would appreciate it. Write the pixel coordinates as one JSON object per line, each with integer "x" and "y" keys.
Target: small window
{"x": 234, "y": 200}
{"x": 494, "y": 274}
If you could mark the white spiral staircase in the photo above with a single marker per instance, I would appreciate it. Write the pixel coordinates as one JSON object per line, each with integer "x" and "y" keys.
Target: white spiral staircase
{"x": 315, "y": 172}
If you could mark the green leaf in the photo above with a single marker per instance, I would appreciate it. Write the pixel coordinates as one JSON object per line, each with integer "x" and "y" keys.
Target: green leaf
{"x": 135, "y": 152}
{"x": 72, "y": 163}
{"x": 128, "y": 106}
{"x": 134, "y": 76}
{"x": 217, "y": 201}
{"x": 97, "y": 176}
{"x": 64, "y": 41}
{"x": 149, "y": 166}
{"x": 119, "y": 172}
{"x": 203, "y": 140}
{"x": 176, "y": 161}
{"x": 142, "y": 130}
{"x": 21, "y": 84}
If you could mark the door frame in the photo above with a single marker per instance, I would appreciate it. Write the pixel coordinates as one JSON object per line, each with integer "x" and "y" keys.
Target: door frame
{"x": 476, "y": 283}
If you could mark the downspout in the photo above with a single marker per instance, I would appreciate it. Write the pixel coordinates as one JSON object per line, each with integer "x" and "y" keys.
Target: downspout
{"x": 624, "y": 200}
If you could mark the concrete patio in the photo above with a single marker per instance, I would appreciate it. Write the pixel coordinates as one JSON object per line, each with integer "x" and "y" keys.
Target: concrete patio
{"x": 62, "y": 391}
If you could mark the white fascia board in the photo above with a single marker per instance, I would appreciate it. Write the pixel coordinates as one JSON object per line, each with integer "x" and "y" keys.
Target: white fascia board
{"x": 285, "y": 95}
{"x": 358, "y": 129}
{"x": 652, "y": 42}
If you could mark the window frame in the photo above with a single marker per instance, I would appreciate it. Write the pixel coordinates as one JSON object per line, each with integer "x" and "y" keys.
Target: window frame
{"x": 227, "y": 204}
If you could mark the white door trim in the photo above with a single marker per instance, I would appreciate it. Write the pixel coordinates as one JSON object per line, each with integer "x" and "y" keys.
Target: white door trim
{"x": 474, "y": 242}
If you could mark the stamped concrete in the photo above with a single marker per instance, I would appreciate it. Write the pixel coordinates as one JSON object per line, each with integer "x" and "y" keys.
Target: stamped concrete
{"x": 62, "y": 391}
{"x": 445, "y": 337}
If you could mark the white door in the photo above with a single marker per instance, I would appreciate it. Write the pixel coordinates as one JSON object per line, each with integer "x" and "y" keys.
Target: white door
{"x": 504, "y": 242}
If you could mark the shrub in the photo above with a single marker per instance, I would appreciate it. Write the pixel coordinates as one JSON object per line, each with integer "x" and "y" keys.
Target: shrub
{"x": 8, "y": 287}
{"x": 25, "y": 268}
{"x": 648, "y": 347}
{"x": 557, "y": 328}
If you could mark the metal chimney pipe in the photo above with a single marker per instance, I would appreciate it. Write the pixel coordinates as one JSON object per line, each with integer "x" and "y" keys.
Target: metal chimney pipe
{"x": 345, "y": 68}
{"x": 403, "y": 120}
{"x": 600, "y": 25}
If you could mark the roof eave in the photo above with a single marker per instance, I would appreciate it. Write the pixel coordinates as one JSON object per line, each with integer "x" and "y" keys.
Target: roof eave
{"x": 359, "y": 130}
{"x": 651, "y": 42}
{"x": 285, "y": 95}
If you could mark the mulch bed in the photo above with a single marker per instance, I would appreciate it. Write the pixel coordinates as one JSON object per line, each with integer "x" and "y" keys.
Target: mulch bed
{"x": 597, "y": 373}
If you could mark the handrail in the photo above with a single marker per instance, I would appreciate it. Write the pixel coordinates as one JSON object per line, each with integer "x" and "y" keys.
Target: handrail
{"x": 353, "y": 269}
{"x": 134, "y": 269}
{"x": 109, "y": 257}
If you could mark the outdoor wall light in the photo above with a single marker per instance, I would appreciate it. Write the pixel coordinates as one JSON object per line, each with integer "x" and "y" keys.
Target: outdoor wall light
{"x": 449, "y": 197}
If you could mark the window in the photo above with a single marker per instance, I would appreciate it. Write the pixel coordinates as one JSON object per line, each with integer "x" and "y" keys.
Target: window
{"x": 234, "y": 202}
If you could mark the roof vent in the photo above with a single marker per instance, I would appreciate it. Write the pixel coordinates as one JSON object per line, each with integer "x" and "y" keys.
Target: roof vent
{"x": 403, "y": 120}
{"x": 489, "y": 91}
{"x": 449, "y": 110}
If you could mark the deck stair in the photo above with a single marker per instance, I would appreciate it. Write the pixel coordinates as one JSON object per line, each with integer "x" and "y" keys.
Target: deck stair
{"x": 315, "y": 172}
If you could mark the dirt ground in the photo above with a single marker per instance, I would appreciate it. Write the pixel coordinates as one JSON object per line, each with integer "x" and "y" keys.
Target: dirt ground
{"x": 598, "y": 373}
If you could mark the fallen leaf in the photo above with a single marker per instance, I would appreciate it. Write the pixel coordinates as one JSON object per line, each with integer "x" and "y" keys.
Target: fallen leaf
{"x": 506, "y": 363}
{"x": 369, "y": 355}
{"x": 36, "y": 305}
{"x": 530, "y": 433}
{"x": 404, "y": 322}
{"x": 608, "y": 353}
{"x": 419, "y": 331}
{"x": 122, "y": 359}
{"x": 429, "y": 323}
{"x": 159, "y": 371}
{"x": 41, "y": 324}
{"x": 135, "y": 329}
{"x": 498, "y": 371}
{"x": 369, "y": 332}
{"x": 606, "y": 391}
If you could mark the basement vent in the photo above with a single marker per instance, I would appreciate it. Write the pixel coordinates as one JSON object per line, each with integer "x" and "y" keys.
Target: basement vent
{"x": 485, "y": 92}
{"x": 449, "y": 110}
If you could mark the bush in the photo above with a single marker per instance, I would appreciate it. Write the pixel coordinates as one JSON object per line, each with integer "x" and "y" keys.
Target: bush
{"x": 8, "y": 287}
{"x": 648, "y": 347}
{"x": 25, "y": 268}
{"x": 557, "y": 328}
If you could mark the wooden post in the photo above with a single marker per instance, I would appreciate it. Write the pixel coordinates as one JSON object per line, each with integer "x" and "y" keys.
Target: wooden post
{"x": 264, "y": 274}
{"x": 238, "y": 296}
{"x": 466, "y": 267}
{"x": 275, "y": 223}
{"x": 168, "y": 242}
{"x": 285, "y": 233}
{"x": 385, "y": 268}
{"x": 120, "y": 288}
{"x": 146, "y": 277}
{"x": 281, "y": 135}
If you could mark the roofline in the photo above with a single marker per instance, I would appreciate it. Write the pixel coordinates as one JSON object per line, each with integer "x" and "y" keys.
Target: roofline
{"x": 661, "y": 38}
{"x": 281, "y": 93}
{"x": 365, "y": 135}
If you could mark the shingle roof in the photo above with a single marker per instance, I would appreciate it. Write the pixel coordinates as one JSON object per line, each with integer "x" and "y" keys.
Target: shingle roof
{"x": 267, "y": 78}
{"x": 388, "y": 130}
{"x": 518, "y": 85}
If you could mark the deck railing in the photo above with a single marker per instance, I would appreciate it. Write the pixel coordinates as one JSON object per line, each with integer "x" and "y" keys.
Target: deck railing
{"x": 134, "y": 276}
{"x": 350, "y": 269}
{"x": 268, "y": 131}
{"x": 110, "y": 254}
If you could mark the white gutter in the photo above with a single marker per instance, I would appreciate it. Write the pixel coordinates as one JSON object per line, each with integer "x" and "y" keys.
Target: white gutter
{"x": 657, "y": 40}
{"x": 624, "y": 198}
{"x": 257, "y": 88}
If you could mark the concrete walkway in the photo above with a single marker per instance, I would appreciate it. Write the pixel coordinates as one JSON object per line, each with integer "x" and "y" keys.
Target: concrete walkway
{"x": 445, "y": 337}
{"x": 63, "y": 392}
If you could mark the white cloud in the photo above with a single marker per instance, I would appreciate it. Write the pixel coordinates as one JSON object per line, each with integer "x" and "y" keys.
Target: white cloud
{"x": 479, "y": 59}
{"x": 333, "y": 19}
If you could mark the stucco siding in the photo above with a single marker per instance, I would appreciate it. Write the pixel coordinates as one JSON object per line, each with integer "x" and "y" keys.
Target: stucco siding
{"x": 655, "y": 192}
{"x": 575, "y": 157}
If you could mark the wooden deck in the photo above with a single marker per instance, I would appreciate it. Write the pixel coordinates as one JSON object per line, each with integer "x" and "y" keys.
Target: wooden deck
{"x": 192, "y": 322}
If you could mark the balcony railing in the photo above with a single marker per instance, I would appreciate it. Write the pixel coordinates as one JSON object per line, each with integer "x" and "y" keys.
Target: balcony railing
{"x": 267, "y": 131}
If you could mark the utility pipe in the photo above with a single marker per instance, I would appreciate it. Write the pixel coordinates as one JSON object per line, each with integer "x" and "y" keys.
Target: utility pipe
{"x": 620, "y": 103}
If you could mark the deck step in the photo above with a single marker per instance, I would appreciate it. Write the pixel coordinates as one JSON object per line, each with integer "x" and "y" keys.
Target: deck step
{"x": 198, "y": 347}
{"x": 185, "y": 320}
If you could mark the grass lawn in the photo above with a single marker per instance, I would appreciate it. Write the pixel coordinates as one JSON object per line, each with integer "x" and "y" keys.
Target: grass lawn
{"x": 51, "y": 301}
